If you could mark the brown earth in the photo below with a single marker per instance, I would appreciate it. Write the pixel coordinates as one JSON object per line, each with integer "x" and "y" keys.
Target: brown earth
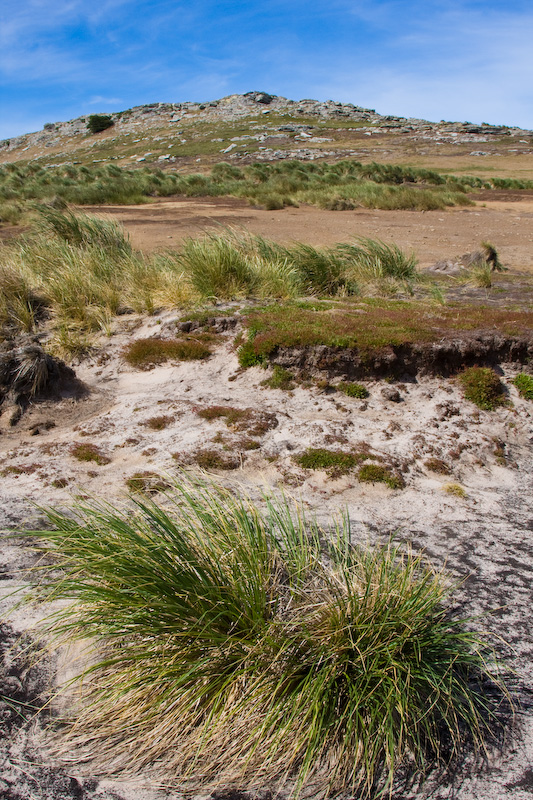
{"x": 506, "y": 221}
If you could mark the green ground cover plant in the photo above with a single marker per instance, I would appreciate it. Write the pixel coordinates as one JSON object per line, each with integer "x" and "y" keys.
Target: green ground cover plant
{"x": 280, "y": 379}
{"x": 524, "y": 384}
{"x": 352, "y": 389}
{"x": 248, "y": 646}
{"x": 482, "y": 386}
{"x": 369, "y": 325}
{"x": 377, "y": 473}
{"x": 334, "y": 462}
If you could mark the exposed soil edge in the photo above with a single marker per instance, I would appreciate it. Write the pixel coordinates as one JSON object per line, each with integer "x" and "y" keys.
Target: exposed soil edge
{"x": 439, "y": 359}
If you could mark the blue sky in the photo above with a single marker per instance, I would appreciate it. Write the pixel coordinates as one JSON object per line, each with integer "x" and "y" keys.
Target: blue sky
{"x": 454, "y": 59}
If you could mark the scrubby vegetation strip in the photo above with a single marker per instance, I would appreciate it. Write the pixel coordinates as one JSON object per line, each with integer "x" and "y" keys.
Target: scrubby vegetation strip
{"x": 344, "y": 185}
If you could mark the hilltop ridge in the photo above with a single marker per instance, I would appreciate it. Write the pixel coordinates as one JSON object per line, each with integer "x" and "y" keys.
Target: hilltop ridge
{"x": 261, "y": 126}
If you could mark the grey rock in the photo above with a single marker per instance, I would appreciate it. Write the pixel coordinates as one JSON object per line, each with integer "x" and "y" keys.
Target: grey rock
{"x": 391, "y": 394}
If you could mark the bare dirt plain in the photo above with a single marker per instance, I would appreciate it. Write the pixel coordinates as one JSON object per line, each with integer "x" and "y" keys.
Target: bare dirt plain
{"x": 484, "y": 538}
{"x": 506, "y": 221}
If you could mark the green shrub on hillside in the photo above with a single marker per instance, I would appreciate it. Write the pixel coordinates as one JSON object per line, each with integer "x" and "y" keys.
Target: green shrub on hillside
{"x": 99, "y": 122}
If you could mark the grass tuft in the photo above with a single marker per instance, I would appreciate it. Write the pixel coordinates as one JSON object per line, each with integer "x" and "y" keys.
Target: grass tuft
{"x": 240, "y": 645}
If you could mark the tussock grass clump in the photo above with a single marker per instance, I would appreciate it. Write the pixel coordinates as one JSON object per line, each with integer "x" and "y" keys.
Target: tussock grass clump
{"x": 20, "y": 304}
{"x": 147, "y": 353}
{"x": 524, "y": 384}
{"x": 241, "y": 645}
{"x": 218, "y": 267}
{"x": 482, "y": 386}
{"x": 84, "y": 230}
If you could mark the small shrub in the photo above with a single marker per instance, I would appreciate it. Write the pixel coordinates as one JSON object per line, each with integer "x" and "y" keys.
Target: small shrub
{"x": 254, "y": 423}
{"x": 211, "y": 458}
{"x": 437, "y": 465}
{"x": 483, "y": 387}
{"x": 249, "y": 647}
{"x": 158, "y": 423}
{"x": 147, "y": 483}
{"x": 248, "y": 357}
{"x": 229, "y": 413}
{"x": 524, "y": 384}
{"x": 99, "y": 122}
{"x": 280, "y": 379}
{"x": 353, "y": 389}
{"x": 147, "y": 353}
{"x": 247, "y": 444}
{"x": 377, "y": 473}
{"x": 89, "y": 452}
{"x": 334, "y": 462}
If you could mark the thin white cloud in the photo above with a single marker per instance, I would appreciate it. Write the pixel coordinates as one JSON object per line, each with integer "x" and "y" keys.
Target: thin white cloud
{"x": 100, "y": 100}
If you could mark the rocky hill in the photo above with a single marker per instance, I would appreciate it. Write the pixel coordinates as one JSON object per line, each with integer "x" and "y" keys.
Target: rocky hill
{"x": 259, "y": 126}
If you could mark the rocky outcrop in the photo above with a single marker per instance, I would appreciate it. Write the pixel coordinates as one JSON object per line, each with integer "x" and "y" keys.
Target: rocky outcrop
{"x": 252, "y": 103}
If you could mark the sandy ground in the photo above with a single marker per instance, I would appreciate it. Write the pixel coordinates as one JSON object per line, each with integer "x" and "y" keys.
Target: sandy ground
{"x": 483, "y": 538}
{"x": 433, "y": 235}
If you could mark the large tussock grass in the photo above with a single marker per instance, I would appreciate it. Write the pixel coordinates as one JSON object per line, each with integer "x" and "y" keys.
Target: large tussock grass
{"x": 81, "y": 271}
{"x": 243, "y": 646}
